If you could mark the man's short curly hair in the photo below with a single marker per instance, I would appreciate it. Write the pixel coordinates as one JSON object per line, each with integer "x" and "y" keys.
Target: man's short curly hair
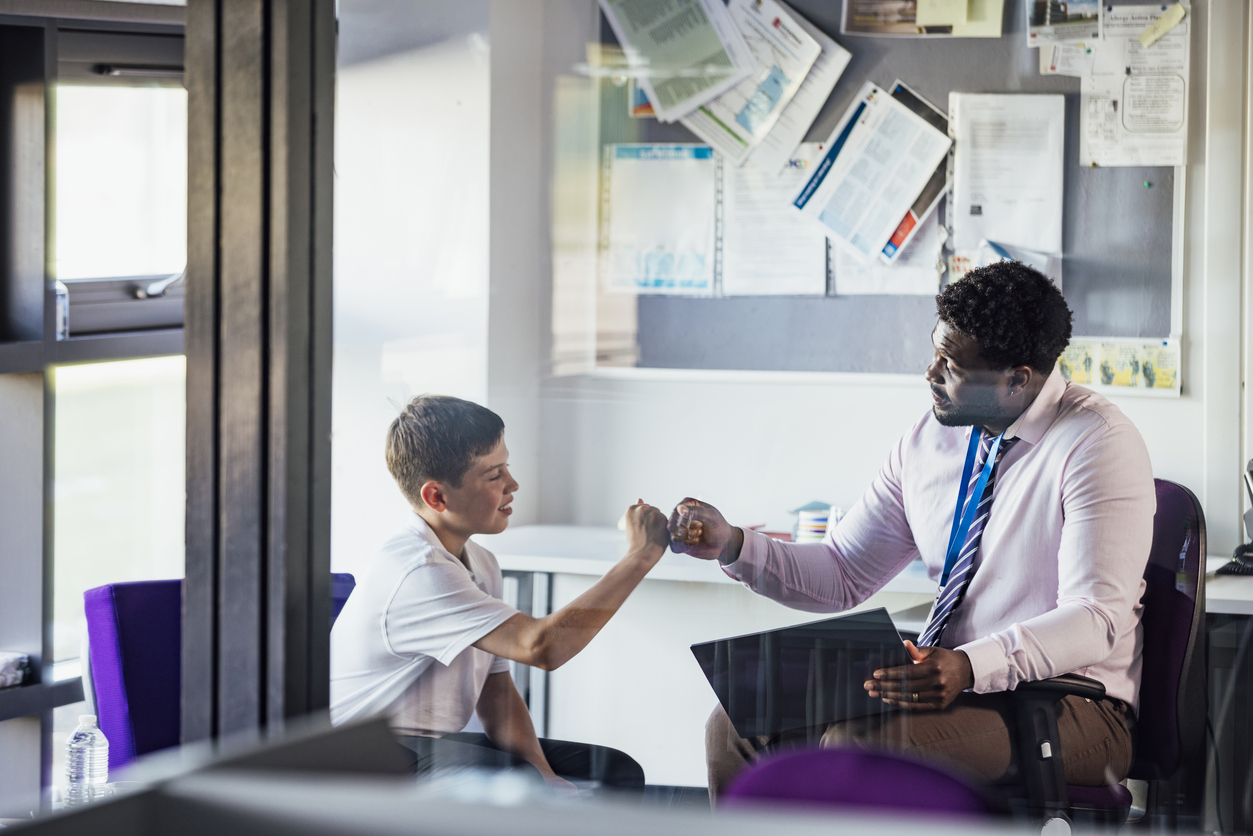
{"x": 1016, "y": 315}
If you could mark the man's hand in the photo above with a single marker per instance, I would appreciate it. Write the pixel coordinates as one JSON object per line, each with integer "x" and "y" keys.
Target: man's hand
{"x": 698, "y": 529}
{"x": 935, "y": 679}
{"x": 646, "y": 530}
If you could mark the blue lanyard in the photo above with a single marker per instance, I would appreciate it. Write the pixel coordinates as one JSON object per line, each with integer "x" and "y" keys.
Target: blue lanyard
{"x": 962, "y": 522}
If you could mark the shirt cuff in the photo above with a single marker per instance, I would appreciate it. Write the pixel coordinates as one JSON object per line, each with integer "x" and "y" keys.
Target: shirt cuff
{"x": 989, "y": 666}
{"x": 747, "y": 566}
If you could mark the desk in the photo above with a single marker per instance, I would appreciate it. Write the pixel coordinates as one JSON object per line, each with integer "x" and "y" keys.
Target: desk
{"x": 636, "y": 687}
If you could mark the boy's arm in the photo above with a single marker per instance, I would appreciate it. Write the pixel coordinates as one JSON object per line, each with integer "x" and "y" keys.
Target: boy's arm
{"x": 508, "y": 724}
{"x": 551, "y": 641}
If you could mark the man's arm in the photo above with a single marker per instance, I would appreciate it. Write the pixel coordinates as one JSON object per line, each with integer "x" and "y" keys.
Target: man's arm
{"x": 549, "y": 642}
{"x": 508, "y": 724}
{"x": 866, "y": 550}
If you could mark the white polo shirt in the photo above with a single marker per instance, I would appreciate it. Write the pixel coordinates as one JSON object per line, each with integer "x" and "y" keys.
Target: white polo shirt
{"x": 402, "y": 644}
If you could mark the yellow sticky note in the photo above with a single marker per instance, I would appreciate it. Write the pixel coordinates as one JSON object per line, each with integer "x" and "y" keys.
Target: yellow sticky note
{"x": 1078, "y": 362}
{"x": 1160, "y": 368}
{"x": 940, "y": 12}
{"x": 1169, "y": 20}
{"x": 1120, "y": 364}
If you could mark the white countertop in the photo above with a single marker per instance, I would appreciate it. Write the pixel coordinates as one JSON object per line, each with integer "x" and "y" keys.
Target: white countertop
{"x": 589, "y": 550}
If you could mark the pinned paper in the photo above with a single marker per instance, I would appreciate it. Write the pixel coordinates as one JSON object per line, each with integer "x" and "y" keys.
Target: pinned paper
{"x": 1171, "y": 18}
{"x": 940, "y": 12}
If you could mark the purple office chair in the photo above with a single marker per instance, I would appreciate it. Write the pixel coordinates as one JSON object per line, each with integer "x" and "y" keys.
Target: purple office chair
{"x": 855, "y": 779}
{"x": 1170, "y": 728}
{"x": 135, "y": 641}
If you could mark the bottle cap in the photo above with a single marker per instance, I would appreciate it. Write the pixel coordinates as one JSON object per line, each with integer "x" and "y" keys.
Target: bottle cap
{"x": 84, "y": 719}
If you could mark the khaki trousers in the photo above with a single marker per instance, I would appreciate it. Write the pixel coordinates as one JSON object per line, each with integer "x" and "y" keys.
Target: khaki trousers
{"x": 974, "y": 736}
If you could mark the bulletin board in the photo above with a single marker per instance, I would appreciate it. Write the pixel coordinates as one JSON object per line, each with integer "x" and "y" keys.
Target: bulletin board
{"x": 1117, "y": 231}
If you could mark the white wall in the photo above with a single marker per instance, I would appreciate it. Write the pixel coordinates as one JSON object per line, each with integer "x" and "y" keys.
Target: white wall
{"x": 411, "y": 261}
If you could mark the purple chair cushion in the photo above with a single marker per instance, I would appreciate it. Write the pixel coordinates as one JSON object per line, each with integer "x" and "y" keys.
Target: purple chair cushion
{"x": 342, "y": 585}
{"x": 854, "y": 778}
{"x": 134, "y": 631}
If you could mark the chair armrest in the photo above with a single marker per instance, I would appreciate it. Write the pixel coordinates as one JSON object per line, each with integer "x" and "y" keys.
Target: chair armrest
{"x": 1066, "y": 685}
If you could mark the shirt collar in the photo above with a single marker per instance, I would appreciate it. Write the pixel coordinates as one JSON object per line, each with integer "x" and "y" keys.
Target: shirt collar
{"x": 1035, "y": 422}
{"x": 419, "y": 527}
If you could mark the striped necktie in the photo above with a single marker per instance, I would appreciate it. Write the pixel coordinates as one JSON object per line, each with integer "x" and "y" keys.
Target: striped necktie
{"x": 964, "y": 569}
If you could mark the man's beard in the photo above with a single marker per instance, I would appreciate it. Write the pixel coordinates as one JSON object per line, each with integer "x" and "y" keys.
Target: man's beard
{"x": 975, "y": 413}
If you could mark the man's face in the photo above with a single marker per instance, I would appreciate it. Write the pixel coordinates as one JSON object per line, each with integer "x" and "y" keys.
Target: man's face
{"x": 481, "y": 504}
{"x": 964, "y": 390}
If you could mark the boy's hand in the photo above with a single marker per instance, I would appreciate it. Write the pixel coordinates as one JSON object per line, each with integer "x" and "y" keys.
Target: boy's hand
{"x": 699, "y": 529}
{"x": 646, "y": 530}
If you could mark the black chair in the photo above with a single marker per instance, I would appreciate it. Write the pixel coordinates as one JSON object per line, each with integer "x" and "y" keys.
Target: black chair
{"x": 1170, "y": 729}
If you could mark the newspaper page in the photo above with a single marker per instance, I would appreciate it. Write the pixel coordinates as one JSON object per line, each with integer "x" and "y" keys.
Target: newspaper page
{"x": 766, "y": 249}
{"x": 684, "y": 52}
{"x": 659, "y": 207}
{"x": 1056, "y": 23}
{"x": 913, "y": 273}
{"x": 1134, "y": 105}
{"x": 739, "y": 119}
{"x": 776, "y": 149}
{"x": 1008, "y": 170}
{"x": 878, "y": 160}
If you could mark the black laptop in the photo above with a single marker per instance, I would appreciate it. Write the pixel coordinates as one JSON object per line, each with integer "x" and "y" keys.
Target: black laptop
{"x": 803, "y": 676}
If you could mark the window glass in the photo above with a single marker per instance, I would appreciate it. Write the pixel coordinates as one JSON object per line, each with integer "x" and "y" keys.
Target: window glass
{"x": 119, "y": 483}
{"x": 121, "y": 181}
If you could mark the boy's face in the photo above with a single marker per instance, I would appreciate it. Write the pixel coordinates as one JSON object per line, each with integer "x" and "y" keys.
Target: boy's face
{"x": 481, "y": 504}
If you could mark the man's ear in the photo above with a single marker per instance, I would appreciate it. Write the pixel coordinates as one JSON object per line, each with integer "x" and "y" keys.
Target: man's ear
{"x": 1020, "y": 377}
{"x": 432, "y": 494}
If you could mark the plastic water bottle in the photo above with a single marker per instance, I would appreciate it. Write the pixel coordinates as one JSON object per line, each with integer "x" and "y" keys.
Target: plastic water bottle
{"x": 86, "y": 762}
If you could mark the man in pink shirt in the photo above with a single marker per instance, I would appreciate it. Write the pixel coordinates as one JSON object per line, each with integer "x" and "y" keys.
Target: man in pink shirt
{"x": 1040, "y": 561}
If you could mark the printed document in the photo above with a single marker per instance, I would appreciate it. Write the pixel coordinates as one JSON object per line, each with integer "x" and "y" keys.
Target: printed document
{"x": 1067, "y": 59}
{"x": 776, "y": 149}
{"x": 658, "y": 233}
{"x": 1008, "y": 170}
{"x": 936, "y": 187}
{"x": 1054, "y": 23}
{"x": 878, "y": 160}
{"x": 1134, "y": 105}
{"x": 923, "y": 18}
{"x": 684, "y": 52}
{"x": 766, "y": 249}
{"x": 913, "y": 273}
{"x": 739, "y": 119}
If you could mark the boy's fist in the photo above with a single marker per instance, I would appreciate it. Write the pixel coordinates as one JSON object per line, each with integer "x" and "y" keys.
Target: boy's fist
{"x": 646, "y": 526}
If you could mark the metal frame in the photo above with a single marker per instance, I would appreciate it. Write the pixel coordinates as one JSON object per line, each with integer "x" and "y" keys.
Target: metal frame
{"x": 260, "y": 77}
{"x": 28, "y": 350}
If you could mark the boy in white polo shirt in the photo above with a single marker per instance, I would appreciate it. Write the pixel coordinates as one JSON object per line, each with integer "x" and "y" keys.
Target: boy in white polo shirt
{"x": 425, "y": 637}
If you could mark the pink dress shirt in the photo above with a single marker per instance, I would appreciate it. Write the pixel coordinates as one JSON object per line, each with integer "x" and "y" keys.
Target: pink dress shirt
{"x": 1060, "y": 568}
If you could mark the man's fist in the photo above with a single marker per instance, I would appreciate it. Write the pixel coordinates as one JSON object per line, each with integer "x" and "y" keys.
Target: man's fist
{"x": 698, "y": 529}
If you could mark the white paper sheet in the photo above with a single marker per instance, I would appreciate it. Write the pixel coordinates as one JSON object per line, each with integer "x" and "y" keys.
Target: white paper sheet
{"x": 766, "y": 249}
{"x": 775, "y": 150}
{"x": 1054, "y": 23}
{"x": 878, "y": 160}
{"x": 738, "y": 120}
{"x": 684, "y": 52}
{"x": 1134, "y": 106}
{"x": 658, "y": 235}
{"x": 913, "y": 273}
{"x": 1008, "y": 170}
{"x": 1074, "y": 60}
{"x": 902, "y": 18}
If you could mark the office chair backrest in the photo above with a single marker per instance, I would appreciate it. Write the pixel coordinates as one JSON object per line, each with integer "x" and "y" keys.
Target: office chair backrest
{"x": 134, "y": 631}
{"x": 857, "y": 779}
{"x": 135, "y": 640}
{"x": 1172, "y": 681}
